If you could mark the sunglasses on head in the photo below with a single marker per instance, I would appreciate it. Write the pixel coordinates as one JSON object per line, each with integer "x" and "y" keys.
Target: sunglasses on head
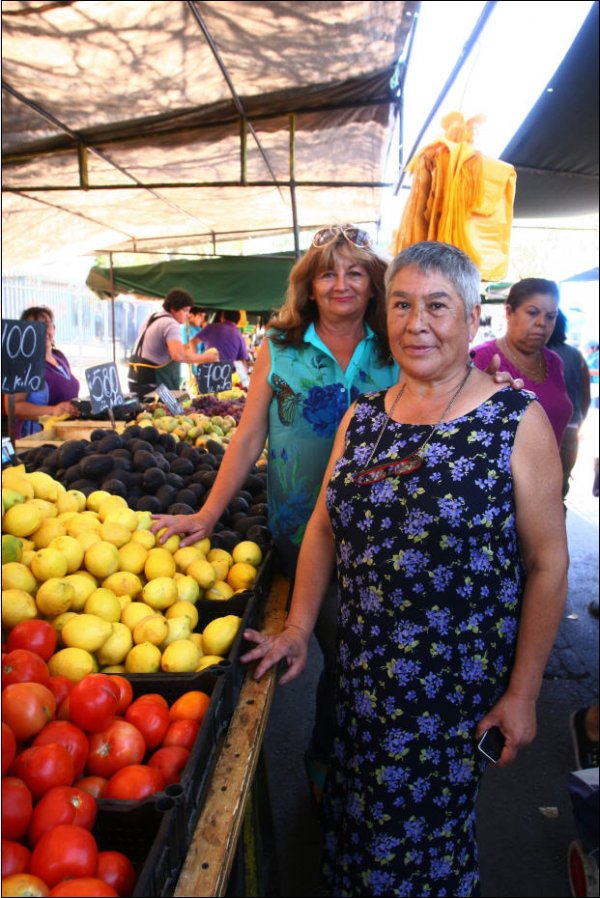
{"x": 355, "y": 236}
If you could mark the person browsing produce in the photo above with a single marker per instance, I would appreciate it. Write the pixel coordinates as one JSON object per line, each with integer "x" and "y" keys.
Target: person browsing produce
{"x": 441, "y": 507}
{"x": 159, "y": 348}
{"x": 60, "y": 388}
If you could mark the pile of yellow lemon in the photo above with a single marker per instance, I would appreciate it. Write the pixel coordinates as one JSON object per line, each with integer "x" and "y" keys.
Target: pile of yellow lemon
{"x": 119, "y": 600}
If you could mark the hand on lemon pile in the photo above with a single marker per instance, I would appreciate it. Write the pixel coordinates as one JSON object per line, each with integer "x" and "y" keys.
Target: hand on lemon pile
{"x": 291, "y": 644}
{"x": 197, "y": 526}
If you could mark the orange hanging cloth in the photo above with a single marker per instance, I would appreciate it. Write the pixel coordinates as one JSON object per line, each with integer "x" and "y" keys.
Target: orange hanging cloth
{"x": 462, "y": 197}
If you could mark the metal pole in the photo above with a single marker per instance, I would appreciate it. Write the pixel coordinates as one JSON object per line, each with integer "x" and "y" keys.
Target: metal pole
{"x": 112, "y": 306}
{"x": 292, "y": 121}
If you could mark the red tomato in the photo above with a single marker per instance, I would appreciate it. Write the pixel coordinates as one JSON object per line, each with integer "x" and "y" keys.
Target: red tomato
{"x": 134, "y": 782}
{"x": 60, "y": 688}
{"x": 42, "y": 767}
{"x": 126, "y": 692}
{"x": 183, "y": 733}
{"x": 37, "y": 636}
{"x": 24, "y": 884}
{"x": 93, "y": 785}
{"x": 17, "y": 806}
{"x": 117, "y": 746}
{"x": 84, "y": 886}
{"x": 153, "y": 697}
{"x": 70, "y": 737}
{"x": 15, "y": 858}
{"x": 9, "y": 747}
{"x": 117, "y": 870}
{"x": 190, "y": 706}
{"x": 152, "y": 720}
{"x": 170, "y": 761}
{"x": 63, "y": 710}
{"x": 62, "y": 804}
{"x": 64, "y": 852}
{"x": 26, "y": 708}
{"x": 23, "y": 666}
{"x": 93, "y": 702}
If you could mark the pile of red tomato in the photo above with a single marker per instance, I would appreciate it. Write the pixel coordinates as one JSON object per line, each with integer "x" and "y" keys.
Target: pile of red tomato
{"x": 66, "y": 744}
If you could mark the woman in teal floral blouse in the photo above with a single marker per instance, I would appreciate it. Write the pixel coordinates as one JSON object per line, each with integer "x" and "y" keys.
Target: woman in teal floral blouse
{"x": 441, "y": 510}
{"x": 325, "y": 346}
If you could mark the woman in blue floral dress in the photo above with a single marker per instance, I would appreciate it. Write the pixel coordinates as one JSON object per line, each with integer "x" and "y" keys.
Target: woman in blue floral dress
{"x": 442, "y": 509}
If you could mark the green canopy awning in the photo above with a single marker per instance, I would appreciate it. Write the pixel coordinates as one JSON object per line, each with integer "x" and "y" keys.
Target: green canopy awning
{"x": 253, "y": 283}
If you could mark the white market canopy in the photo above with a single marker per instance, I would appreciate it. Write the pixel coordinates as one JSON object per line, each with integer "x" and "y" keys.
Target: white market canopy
{"x": 144, "y": 123}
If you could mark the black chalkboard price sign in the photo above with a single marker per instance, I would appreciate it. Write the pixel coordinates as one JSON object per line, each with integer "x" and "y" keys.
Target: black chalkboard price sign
{"x": 104, "y": 387}
{"x": 23, "y": 356}
{"x": 213, "y": 377}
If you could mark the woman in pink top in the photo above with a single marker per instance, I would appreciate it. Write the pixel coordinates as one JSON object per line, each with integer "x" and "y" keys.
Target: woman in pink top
{"x": 531, "y": 310}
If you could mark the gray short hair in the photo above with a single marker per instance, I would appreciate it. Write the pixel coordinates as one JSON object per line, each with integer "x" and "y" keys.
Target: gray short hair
{"x": 448, "y": 260}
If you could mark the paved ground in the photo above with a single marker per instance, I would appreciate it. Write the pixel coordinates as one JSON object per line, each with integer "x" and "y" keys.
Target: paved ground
{"x": 522, "y": 849}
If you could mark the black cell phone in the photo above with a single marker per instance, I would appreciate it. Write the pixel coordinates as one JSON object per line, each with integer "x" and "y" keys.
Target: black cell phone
{"x": 491, "y": 744}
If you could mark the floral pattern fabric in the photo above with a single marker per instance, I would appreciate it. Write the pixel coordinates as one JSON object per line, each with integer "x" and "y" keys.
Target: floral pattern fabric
{"x": 311, "y": 395}
{"x": 430, "y": 583}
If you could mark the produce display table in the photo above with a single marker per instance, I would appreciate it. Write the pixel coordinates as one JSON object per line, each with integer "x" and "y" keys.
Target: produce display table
{"x": 213, "y": 846}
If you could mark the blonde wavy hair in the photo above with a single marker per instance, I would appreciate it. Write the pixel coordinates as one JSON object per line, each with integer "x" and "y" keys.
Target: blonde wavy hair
{"x": 299, "y": 310}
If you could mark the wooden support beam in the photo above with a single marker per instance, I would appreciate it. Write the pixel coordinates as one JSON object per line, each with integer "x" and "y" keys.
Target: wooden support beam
{"x": 212, "y": 849}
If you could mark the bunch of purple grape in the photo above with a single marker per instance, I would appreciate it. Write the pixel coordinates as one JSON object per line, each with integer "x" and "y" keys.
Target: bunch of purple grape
{"x": 208, "y": 404}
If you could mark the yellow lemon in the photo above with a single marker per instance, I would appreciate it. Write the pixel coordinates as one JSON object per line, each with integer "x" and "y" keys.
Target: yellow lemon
{"x": 117, "y": 646}
{"x": 102, "y": 559}
{"x": 17, "y": 606}
{"x": 71, "y": 549}
{"x": 72, "y": 663}
{"x": 180, "y": 656}
{"x": 13, "y": 480}
{"x": 208, "y": 661}
{"x": 143, "y": 658}
{"x": 171, "y": 544}
{"x": 83, "y": 588}
{"x": 125, "y": 517}
{"x": 44, "y": 486}
{"x": 124, "y": 601}
{"x": 18, "y": 576}
{"x": 219, "y": 592}
{"x": 117, "y": 534}
{"x": 187, "y": 589}
{"x": 113, "y": 503}
{"x": 124, "y": 583}
{"x": 10, "y": 498}
{"x": 184, "y": 557}
{"x": 203, "y": 545}
{"x": 104, "y": 604}
{"x": 247, "y": 551}
{"x": 47, "y": 509}
{"x": 86, "y": 631}
{"x": 241, "y": 575}
{"x": 114, "y": 668}
{"x": 83, "y": 522}
{"x": 183, "y": 609}
{"x": 179, "y": 628}
{"x": 160, "y": 593}
{"x": 22, "y": 520}
{"x": 66, "y": 516}
{"x": 203, "y": 573}
{"x": 68, "y": 502}
{"x": 48, "y": 563}
{"x": 132, "y": 557}
{"x": 144, "y": 537}
{"x": 153, "y": 628}
{"x": 58, "y": 623}
{"x": 219, "y": 555}
{"x": 87, "y": 538}
{"x": 218, "y": 635}
{"x": 54, "y": 596}
{"x": 12, "y": 548}
{"x": 27, "y": 556}
{"x": 197, "y": 640}
{"x": 159, "y": 563}
{"x": 95, "y": 499}
{"x": 79, "y": 497}
{"x": 221, "y": 569}
{"x": 134, "y": 612}
{"x": 145, "y": 520}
